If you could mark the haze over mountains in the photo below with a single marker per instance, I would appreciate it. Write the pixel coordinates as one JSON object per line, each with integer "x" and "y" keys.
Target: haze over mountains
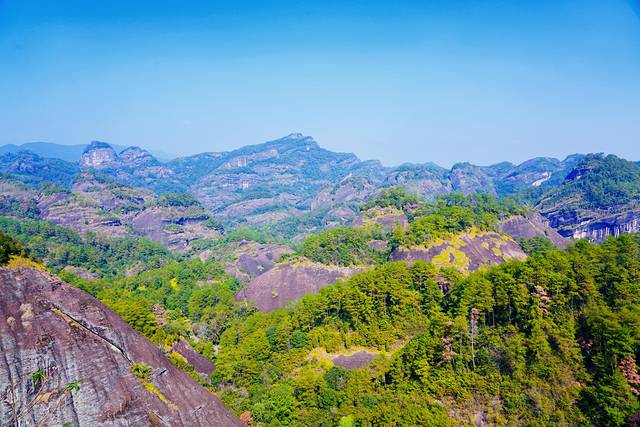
{"x": 295, "y": 179}
{"x": 70, "y": 153}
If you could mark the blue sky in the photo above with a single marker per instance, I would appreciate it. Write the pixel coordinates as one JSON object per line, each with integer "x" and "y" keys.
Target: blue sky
{"x": 443, "y": 81}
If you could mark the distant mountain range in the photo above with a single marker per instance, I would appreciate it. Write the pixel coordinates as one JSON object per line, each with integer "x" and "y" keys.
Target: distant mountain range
{"x": 297, "y": 186}
{"x": 70, "y": 153}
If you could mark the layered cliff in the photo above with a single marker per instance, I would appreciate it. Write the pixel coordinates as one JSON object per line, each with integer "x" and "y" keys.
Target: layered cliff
{"x": 600, "y": 197}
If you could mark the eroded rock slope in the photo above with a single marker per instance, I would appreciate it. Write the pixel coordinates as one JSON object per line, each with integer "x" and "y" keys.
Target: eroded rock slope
{"x": 67, "y": 360}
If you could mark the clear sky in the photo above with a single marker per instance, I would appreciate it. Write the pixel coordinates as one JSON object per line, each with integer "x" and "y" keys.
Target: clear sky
{"x": 443, "y": 81}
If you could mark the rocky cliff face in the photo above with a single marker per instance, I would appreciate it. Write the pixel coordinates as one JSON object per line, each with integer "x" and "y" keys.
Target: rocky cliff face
{"x": 388, "y": 218}
{"x": 293, "y": 176}
{"x": 247, "y": 259}
{"x": 595, "y": 225}
{"x": 68, "y": 359}
{"x": 530, "y": 226}
{"x": 98, "y": 155}
{"x": 290, "y": 281}
{"x": 469, "y": 179}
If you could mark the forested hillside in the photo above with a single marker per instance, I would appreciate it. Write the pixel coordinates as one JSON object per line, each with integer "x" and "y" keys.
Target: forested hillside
{"x": 551, "y": 339}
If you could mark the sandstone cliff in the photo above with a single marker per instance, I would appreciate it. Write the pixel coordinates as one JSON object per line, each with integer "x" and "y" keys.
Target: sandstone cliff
{"x": 290, "y": 281}
{"x": 67, "y": 359}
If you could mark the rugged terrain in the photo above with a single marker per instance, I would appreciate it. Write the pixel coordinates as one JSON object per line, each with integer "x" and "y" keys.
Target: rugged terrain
{"x": 600, "y": 197}
{"x": 70, "y": 360}
{"x": 283, "y": 181}
{"x": 92, "y": 204}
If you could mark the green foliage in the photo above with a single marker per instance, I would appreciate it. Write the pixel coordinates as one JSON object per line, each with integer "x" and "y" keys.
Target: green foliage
{"x": 12, "y": 206}
{"x": 177, "y": 199}
{"x": 8, "y": 248}
{"x": 141, "y": 371}
{"x": 61, "y": 246}
{"x": 342, "y": 246}
{"x": 397, "y": 197}
{"x": 536, "y": 245}
{"x": 246, "y": 233}
{"x": 39, "y": 378}
{"x": 73, "y": 386}
{"x": 49, "y": 188}
{"x": 598, "y": 182}
{"x": 454, "y": 213}
{"x": 553, "y": 340}
{"x": 539, "y": 342}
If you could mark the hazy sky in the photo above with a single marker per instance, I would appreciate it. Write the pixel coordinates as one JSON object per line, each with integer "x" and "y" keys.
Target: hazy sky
{"x": 418, "y": 81}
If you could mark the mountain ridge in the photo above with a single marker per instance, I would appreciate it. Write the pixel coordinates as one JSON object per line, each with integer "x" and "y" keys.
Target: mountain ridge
{"x": 293, "y": 176}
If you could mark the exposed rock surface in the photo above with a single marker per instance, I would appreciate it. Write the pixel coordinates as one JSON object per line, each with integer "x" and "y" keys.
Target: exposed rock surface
{"x": 468, "y": 179}
{"x": 275, "y": 181}
{"x": 51, "y": 327}
{"x": 349, "y": 190}
{"x": 529, "y": 226}
{"x": 112, "y": 210}
{"x": 253, "y": 259}
{"x": 284, "y": 179}
{"x": 356, "y": 360}
{"x": 595, "y": 225}
{"x": 203, "y": 366}
{"x": 98, "y": 155}
{"x": 467, "y": 251}
{"x": 428, "y": 180}
{"x": 83, "y": 273}
{"x": 290, "y": 281}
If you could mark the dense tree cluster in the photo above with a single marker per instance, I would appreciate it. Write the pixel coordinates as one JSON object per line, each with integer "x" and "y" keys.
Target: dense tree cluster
{"x": 59, "y": 246}
{"x": 552, "y": 340}
{"x": 454, "y": 213}
{"x": 599, "y": 182}
{"x": 177, "y": 199}
{"x": 344, "y": 246}
{"x": 8, "y": 248}
{"x": 396, "y": 197}
{"x": 182, "y": 299}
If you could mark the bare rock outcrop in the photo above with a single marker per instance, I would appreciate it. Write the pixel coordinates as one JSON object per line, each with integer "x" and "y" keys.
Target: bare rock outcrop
{"x": 290, "y": 281}
{"x": 201, "y": 365}
{"x": 465, "y": 252}
{"x": 356, "y": 360}
{"x": 67, "y": 358}
{"x": 253, "y": 259}
{"x": 529, "y": 226}
{"x": 98, "y": 155}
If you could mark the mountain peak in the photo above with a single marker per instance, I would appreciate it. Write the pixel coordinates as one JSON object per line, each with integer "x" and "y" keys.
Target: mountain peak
{"x": 98, "y": 154}
{"x": 136, "y": 156}
{"x": 295, "y": 135}
{"x": 134, "y": 151}
{"x": 97, "y": 145}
